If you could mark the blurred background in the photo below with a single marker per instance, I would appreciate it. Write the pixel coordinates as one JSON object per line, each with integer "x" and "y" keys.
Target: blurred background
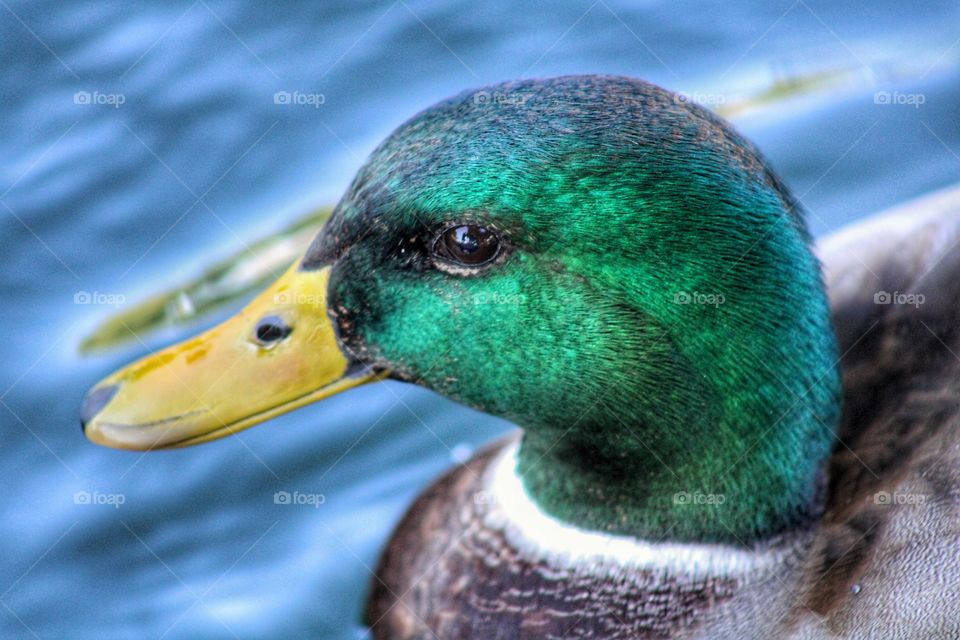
{"x": 160, "y": 160}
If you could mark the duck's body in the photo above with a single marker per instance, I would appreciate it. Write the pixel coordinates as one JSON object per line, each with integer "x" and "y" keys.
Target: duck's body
{"x": 623, "y": 276}
{"x": 475, "y": 558}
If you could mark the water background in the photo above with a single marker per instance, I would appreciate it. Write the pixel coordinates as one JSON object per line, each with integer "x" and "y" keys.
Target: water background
{"x": 126, "y": 198}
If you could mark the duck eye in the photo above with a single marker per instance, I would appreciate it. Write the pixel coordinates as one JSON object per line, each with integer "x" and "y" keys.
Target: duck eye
{"x": 470, "y": 245}
{"x": 271, "y": 330}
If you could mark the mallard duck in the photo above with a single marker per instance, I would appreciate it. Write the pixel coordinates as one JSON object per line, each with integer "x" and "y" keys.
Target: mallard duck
{"x": 710, "y": 448}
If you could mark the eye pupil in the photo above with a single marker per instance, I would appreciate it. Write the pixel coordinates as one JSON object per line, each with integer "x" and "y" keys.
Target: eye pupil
{"x": 271, "y": 330}
{"x": 467, "y": 244}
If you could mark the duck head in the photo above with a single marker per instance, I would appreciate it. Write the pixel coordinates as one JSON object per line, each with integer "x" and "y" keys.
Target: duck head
{"x": 593, "y": 258}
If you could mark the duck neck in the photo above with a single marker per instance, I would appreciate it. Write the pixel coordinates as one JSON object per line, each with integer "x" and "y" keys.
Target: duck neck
{"x": 718, "y": 452}
{"x": 710, "y": 497}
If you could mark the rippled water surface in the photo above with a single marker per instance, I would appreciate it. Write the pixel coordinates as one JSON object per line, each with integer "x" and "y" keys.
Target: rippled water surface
{"x": 179, "y": 154}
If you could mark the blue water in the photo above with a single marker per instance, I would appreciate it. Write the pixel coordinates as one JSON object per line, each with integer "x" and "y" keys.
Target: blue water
{"x": 125, "y": 199}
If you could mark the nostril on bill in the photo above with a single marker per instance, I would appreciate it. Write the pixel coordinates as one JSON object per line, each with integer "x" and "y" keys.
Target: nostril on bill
{"x": 96, "y": 400}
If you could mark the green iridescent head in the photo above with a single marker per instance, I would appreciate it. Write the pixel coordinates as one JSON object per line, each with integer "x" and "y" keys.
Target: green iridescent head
{"x": 610, "y": 267}
{"x": 618, "y": 272}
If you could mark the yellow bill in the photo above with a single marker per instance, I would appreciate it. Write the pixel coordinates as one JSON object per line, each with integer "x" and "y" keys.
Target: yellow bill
{"x": 279, "y": 353}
